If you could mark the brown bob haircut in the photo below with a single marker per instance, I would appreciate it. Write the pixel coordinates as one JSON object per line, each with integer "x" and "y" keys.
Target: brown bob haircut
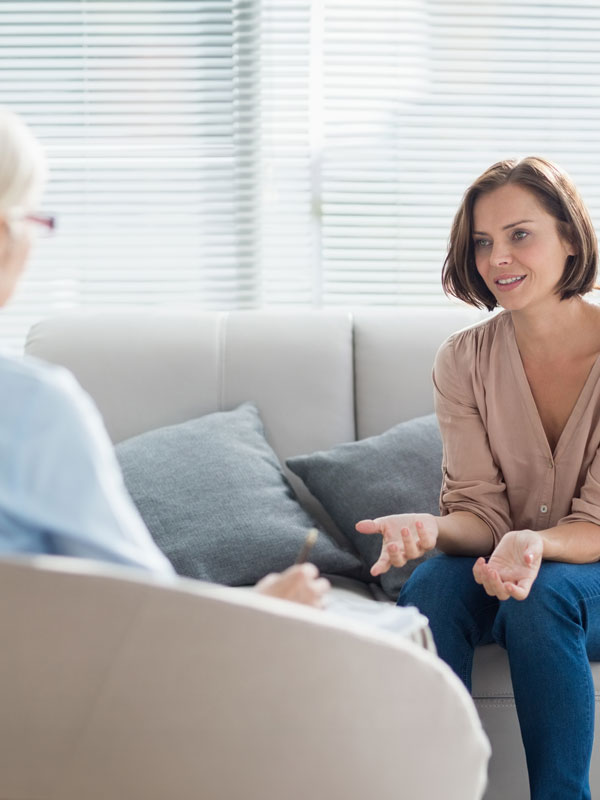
{"x": 557, "y": 194}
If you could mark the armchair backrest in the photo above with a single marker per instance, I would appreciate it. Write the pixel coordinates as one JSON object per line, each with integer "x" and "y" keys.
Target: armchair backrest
{"x": 115, "y": 686}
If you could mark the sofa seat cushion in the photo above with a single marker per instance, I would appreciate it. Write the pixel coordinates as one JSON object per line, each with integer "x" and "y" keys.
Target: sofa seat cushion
{"x": 396, "y": 472}
{"x": 491, "y": 675}
{"x": 213, "y": 496}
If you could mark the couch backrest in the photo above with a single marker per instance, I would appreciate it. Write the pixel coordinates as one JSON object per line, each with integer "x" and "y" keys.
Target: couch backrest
{"x": 149, "y": 369}
{"x": 318, "y": 377}
{"x": 394, "y": 352}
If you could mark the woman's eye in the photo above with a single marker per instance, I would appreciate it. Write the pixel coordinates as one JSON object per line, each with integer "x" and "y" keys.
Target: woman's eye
{"x": 520, "y": 235}
{"x": 482, "y": 242}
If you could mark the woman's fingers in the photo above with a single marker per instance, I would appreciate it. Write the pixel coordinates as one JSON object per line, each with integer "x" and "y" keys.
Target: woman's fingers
{"x": 368, "y": 526}
{"x": 495, "y": 586}
{"x": 300, "y": 583}
{"x": 411, "y": 543}
{"x": 490, "y": 580}
{"x": 397, "y": 554}
{"x": 478, "y": 570}
{"x": 518, "y": 591}
{"x": 408, "y": 549}
{"x": 382, "y": 564}
{"x": 391, "y": 528}
{"x": 523, "y": 587}
{"x": 404, "y": 538}
{"x": 316, "y": 592}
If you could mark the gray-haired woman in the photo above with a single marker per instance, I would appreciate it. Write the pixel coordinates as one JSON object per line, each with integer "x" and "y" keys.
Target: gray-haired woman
{"x": 61, "y": 490}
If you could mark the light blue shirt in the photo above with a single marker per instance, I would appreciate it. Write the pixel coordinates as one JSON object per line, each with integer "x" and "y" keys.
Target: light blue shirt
{"x": 61, "y": 489}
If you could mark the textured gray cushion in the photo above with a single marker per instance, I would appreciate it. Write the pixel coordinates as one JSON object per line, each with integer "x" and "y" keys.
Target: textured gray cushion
{"x": 213, "y": 496}
{"x": 397, "y": 472}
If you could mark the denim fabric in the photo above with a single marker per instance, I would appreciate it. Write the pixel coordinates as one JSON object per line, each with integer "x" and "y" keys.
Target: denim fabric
{"x": 550, "y": 638}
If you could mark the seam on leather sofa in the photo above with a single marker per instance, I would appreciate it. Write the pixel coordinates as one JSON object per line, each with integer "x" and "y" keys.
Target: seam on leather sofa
{"x": 222, "y": 321}
{"x": 493, "y": 702}
{"x": 501, "y": 702}
{"x": 480, "y": 697}
{"x": 354, "y": 378}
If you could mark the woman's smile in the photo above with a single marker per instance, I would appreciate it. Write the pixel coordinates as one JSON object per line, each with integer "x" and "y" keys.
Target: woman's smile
{"x": 506, "y": 283}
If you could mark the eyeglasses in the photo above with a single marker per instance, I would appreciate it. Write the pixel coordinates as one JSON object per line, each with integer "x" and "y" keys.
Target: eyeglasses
{"x": 45, "y": 223}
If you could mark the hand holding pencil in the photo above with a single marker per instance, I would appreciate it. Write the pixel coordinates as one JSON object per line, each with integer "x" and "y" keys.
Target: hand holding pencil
{"x": 301, "y": 582}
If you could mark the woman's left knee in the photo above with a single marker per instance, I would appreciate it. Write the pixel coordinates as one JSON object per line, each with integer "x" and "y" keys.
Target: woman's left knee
{"x": 551, "y": 602}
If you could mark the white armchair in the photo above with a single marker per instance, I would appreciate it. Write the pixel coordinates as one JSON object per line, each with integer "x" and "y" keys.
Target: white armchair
{"x": 114, "y": 685}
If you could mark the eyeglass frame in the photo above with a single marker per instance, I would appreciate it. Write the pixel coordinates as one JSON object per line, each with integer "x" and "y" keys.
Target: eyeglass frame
{"x": 47, "y": 220}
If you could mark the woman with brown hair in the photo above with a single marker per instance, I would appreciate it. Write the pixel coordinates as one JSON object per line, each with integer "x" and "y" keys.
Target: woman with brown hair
{"x": 518, "y": 403}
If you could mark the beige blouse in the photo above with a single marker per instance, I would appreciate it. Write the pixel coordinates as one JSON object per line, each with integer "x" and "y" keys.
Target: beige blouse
{"x": 497, "y": 461}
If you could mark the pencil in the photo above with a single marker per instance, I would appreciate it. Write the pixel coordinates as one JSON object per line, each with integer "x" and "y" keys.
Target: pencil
{"x": 311, "y": 538}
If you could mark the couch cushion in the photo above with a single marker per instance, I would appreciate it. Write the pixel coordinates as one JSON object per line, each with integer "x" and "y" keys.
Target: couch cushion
{"x": 398, "y": 471}
{"x": 215, "y": 500}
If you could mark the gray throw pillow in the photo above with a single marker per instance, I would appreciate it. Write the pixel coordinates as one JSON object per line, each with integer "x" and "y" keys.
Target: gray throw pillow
{"x": 397, "y": 472}
{"x": 212, "y": 494}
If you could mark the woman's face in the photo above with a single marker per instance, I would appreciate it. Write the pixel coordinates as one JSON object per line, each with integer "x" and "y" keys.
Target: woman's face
{"x": 15, "y": 245}
{"x": 518, "y": 250}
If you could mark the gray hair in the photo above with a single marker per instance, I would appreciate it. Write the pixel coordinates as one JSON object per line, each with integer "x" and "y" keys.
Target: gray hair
{"x": 22, "y": 165}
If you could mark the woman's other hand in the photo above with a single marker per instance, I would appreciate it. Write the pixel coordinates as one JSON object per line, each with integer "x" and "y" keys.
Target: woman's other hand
{"x": 512, "y": 567}
{"x": 300, "y": 583}
{"x": 405, "y": 537}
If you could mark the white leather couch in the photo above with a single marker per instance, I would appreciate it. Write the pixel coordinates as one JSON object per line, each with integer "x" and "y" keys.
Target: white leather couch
{"x": 266, "y": 694}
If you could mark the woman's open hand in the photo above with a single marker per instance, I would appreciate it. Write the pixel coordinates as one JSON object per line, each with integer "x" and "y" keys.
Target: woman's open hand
{"x": 405, "y": 537}
{"x": 512, "y": 567}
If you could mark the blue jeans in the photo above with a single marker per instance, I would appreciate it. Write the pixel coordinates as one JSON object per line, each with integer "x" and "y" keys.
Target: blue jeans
{"x": 550, "y": 639}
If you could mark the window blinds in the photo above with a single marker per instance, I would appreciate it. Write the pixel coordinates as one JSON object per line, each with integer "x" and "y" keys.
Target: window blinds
{"x": 143, "y": 109}
{"x": 419, "y": 97}
{"x": 239, "y": 153}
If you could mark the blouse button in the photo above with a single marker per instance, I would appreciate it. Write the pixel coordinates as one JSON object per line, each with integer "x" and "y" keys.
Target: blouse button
{"x": 543, "y": 508}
